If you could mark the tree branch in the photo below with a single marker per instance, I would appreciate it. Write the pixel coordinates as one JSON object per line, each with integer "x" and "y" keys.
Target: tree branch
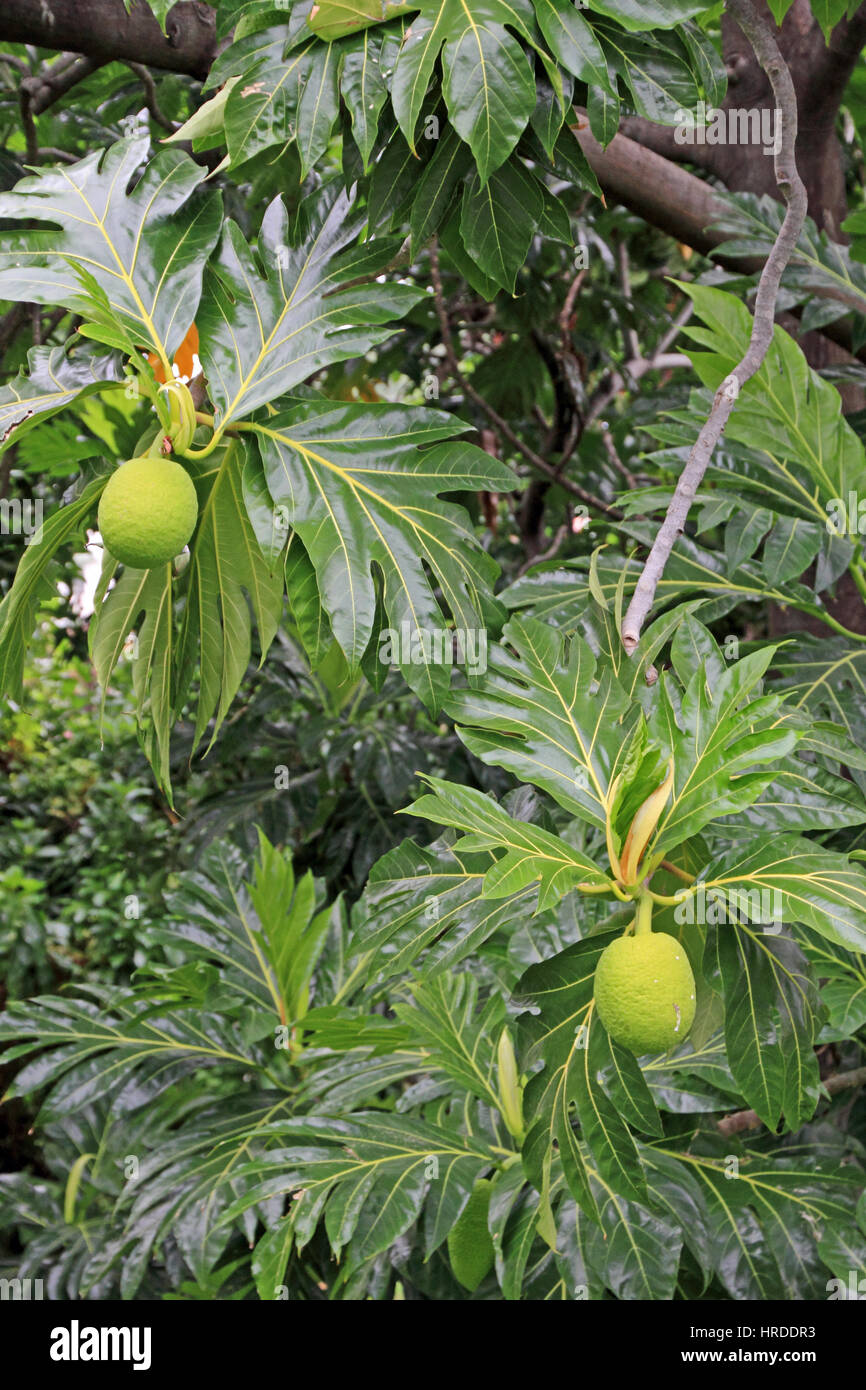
{"x": 681, "y": 205}
{"x": 760, "y": 35}
{"x": 502, "y": 426}
{"x": 661, "y": 139}
{"x": 662, "y": 193}
{"x": 44, "y": 88}
{"x": 835, "y": 65}
{"x": 748, "y": 1119}
{"x": 151, "y": 97}
{"x": 102, "y": 29}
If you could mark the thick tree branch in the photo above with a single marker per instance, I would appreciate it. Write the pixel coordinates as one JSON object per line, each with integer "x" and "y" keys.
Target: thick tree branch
{"x": 820, "y": 74}
{"x": 102, "y": 29}
{"x": 660, "y": 192}
{"x": 662, "y": 140}
{"x": 44, "y": 88}
{"x": 748, "y": 1119}
{"x": 760, "y": 35}
{"x": 680, "y": 204}
{"x": 835, "y": 65}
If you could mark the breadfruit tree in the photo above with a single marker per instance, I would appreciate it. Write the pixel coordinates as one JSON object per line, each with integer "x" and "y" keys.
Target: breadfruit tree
{"x": 488, "y": 374}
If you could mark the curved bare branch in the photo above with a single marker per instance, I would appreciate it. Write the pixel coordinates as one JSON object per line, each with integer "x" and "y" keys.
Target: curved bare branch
{"x": 760, "y": 34}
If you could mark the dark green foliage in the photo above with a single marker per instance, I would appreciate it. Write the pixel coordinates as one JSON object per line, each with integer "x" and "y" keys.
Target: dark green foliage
{"x": 299, "y": 923}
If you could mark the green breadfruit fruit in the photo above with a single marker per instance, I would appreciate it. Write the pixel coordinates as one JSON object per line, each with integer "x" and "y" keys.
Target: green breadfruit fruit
{"x": 645, "y": 992}
{"x": 148, "y": 512}
{"x": 470, "y": 1247}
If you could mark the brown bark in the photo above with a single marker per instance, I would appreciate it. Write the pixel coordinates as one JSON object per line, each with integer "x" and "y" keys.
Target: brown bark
{"x": 102, "y": 29}
{"x": 678, "y": 202}
{"x": 820, "y": 76}
{"x": 742, "y": 1120}
{"x": 745, "y": 169}
{"x": 645, "y": 178}
{"x": 643, "y": 173}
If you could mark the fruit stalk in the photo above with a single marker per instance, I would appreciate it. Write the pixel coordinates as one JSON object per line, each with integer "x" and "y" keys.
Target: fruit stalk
{"x": 644, "y": 917}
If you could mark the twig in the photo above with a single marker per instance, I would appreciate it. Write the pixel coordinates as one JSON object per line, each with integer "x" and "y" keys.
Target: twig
{"x": 152, "y": 101}
{"x": 400, "y": 259}
{"x": 673, "y": 331}
{"x": 54, "y": 319}
{"x": 760, "y": 35}
{"x": 659, "y": 359}
{"x": 52, "y": 82}
{"x": 566, "y": 429}
{"x": 548, "y": 469}
{"x": 31, "y": 138}
{"x": 15, "y": 62}
{"x": 748, "y": 1119}
{"x": 63, "y": 156}
{"x": 549, "y": 553}
{"x": 631, "y": 337}
{"x": 10, "y": 323}
{"x": 40, "y": 91}
{"x": 7, "y": 463}
{"x": 566, "y": 327}
{"x": 610, "y": 450}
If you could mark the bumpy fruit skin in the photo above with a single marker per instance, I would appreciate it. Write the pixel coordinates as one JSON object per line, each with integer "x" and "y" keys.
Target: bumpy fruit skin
{"x": 470, "y": 1247}
{"x": 148, "y": 512}
{"x": 645, "y": 992}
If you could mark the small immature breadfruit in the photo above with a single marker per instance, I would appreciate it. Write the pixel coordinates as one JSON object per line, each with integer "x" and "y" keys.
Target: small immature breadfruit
{"x": 645, "y": 992}
{"x": 470, "y": 1247}
{"x": 148, "y": 512}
